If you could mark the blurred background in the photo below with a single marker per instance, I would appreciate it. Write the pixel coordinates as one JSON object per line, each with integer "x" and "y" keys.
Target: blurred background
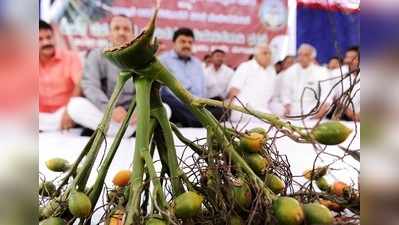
{"x": 379, "y": 132}
{"x": 283, "y": 24}
{"x": 232, "y": 26}
{"x": 18, "y": 104}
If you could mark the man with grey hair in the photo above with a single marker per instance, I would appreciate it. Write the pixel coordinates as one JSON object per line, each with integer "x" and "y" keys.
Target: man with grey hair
{"x": 253, "y": 83}
{"x": 302, "y": 91}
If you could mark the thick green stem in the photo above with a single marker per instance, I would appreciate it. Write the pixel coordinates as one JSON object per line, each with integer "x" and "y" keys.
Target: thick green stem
{"x": 91, "y": 149}
{"x": 143, "y": 88}
{"x": 161, "y": 148}
{"x": 163, "y": 75}
{"x": 102, "y": 129}
{"x": 147, "y": 180}
{"x": 158, "y": 192}
{"x": 159, "y": 112}
{"x": 270, "y": 118}
{"x": 99, "y": 183}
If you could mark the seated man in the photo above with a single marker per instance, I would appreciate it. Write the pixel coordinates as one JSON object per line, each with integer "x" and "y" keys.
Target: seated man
{"x": 253, "y": 83}
{"x": 59, "y": 75}
{"x": 334, "y": 63}
{"x": 206, "y": 61}
{"x": 278, "y": 66}
{"x": 217, "y": 79}
{"x": 99, "y": 79}
{"x": 288, "y": 61}
{"x": 188, "y": 70}
{"x": 351, "y": 79}
{"x": 217, "y": 76}
{"x": 302, "y": 88}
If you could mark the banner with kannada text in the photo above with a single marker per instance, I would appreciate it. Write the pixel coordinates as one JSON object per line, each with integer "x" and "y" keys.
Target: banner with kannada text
{"x": 234, "y": 26}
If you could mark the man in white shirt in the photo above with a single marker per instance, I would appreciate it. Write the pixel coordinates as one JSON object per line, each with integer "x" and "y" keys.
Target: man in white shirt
{"x": 206, "y": 61}
{"x": 304, "y": 90}
{"x": 217, "y": 76}
{"x": 334, "y": 63}
{"x": 253, "y": 83}
{"x": 276, "y": 103}
{"x": 348, "y": 77}
{"x": 288, "y": 61}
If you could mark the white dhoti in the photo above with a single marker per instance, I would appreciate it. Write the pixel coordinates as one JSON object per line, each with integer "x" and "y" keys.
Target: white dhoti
{"x": 86, "y": 114}
{"x": 51, "y": 121}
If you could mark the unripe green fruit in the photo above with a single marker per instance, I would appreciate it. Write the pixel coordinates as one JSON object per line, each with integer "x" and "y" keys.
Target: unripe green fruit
{"x": 275, "y": 183}
{"x": 241, "y": 193}
{"x": 258, "y": 163}
{"x": 331, "y": 133}
{"x": 317, "y": 214}
{"x": 47, "y": 188}
{"x": 155, "y": 221}
{"x": 53, "y": 221}
{"x": 57, "y": 165}
{"x": 79, "y": 204}
{"x": 188, "y": 204}
{"x": 288, "y": 211}
{"x": 322, "y": 184}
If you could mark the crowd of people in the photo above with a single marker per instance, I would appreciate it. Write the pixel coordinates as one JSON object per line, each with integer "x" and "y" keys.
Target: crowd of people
{"x": 73, "y": 94}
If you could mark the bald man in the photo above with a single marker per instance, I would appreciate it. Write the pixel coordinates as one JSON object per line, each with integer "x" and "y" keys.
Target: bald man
{"x": 253, "y": 83}
{"x": 304, "y": 78}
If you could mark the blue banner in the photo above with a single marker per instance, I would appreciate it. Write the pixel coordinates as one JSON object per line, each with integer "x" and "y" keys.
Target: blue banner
{"x": 330, "y": 30}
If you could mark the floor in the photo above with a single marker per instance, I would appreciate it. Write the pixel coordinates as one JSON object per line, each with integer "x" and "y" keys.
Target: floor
{"x": 301, "y": 156}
